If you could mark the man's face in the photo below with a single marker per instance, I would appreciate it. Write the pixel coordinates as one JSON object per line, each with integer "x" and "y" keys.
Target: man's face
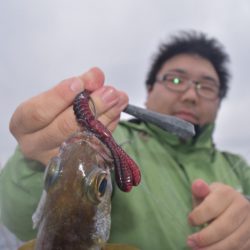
{"x": 187, "y": 105}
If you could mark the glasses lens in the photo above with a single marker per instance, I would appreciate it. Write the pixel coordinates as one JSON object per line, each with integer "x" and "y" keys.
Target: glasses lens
{"x": 175, "y": 82}
{"x": 208, "y": 89}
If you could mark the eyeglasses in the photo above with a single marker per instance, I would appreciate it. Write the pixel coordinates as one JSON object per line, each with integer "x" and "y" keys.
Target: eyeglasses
{"x": 206, "y": 88}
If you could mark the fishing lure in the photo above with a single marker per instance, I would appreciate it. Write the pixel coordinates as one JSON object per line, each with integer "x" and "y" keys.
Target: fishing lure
{"x": 127, "y": 173}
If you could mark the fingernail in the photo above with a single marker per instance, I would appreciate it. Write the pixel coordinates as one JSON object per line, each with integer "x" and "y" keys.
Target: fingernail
{"x": 109, "y": 95}
{"x": 192, "y": 244}
{"x": 76, "y": 85}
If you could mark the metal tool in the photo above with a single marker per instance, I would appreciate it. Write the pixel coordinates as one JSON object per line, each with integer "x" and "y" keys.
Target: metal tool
{"x": 168, "y": 123}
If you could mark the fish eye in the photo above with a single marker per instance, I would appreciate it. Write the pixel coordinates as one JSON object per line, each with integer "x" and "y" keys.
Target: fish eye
{"x": 52, "y": 173}
{"x": 96, "y": 184}
{"x": 102, "y": 185}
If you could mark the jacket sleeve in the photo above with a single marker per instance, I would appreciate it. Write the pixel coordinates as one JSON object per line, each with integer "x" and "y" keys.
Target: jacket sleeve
{"x": 241, "y": 168}
{"x": 21, "y": 183}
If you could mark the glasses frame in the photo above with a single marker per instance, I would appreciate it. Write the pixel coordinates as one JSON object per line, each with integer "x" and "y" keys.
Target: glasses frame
{"x": 163, "y": 80}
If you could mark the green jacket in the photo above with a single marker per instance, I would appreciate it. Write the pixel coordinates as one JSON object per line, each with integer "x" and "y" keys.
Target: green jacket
{"x": 154, "y": 214}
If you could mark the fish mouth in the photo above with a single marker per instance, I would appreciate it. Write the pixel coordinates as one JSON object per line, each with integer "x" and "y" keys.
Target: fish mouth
{"x": 92, "y": 140}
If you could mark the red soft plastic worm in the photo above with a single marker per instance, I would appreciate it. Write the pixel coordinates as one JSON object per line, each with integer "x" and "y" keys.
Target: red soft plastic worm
{"x": 127, "y": 173}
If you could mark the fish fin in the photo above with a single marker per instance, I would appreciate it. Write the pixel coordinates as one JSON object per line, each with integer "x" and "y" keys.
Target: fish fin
{"x": 37, "y": 216}
{"x": 29, "y": 245}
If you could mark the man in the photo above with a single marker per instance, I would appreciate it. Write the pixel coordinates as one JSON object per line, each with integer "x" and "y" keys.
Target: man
{"x": 191, "y": 195}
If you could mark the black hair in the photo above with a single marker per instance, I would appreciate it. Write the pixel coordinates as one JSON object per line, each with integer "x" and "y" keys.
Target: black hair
{"x": 197, "y": 43}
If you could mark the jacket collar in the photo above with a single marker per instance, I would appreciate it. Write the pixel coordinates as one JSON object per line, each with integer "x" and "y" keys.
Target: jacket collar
{"x": 202, "y": 138}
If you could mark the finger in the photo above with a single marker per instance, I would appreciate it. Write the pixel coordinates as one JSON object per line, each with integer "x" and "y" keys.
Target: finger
{"x": 49, "y": 137}
{"x": 212, "y": 206}
{"x": 239, "y": 239}
{"x": 65, "y": 124}
{"x": 223, "y": 226}
{"x": 107, "y": 117}
{"x": 40, "y": 110}
{"x": 112, "y": 126}
{"x": 200, "y": 189}
{"x": 106, "y": 97}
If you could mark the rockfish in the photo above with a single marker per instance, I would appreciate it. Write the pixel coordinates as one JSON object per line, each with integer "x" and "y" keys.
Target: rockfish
{"x": 74, "y": 211}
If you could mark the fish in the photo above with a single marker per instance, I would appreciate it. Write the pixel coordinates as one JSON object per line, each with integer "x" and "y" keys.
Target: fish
{"x": 75, "y": 207}
{"x": 74, "y": 211}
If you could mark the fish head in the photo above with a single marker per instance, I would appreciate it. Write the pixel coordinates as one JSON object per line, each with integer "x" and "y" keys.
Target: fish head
{"x": 77, "y": 183}
{"x": 83, "y": 166}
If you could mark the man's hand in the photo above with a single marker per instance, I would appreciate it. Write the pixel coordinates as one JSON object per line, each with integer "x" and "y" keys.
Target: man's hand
{"x": 227, "y": 215}
{"x": 43, "y": 122}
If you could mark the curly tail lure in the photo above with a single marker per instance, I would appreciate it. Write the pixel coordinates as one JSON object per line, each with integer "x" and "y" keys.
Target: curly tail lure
{"x": 127, "y": 173}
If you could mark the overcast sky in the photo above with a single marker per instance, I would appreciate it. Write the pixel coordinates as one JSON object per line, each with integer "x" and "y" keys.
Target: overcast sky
{"x": 43, "y": 42}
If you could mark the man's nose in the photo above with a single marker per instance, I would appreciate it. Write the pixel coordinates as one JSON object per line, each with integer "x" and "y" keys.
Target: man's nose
{"x": 191, "y": 93}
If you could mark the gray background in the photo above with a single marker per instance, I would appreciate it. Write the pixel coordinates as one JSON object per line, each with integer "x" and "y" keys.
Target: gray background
{"x": 43, "y": 42}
